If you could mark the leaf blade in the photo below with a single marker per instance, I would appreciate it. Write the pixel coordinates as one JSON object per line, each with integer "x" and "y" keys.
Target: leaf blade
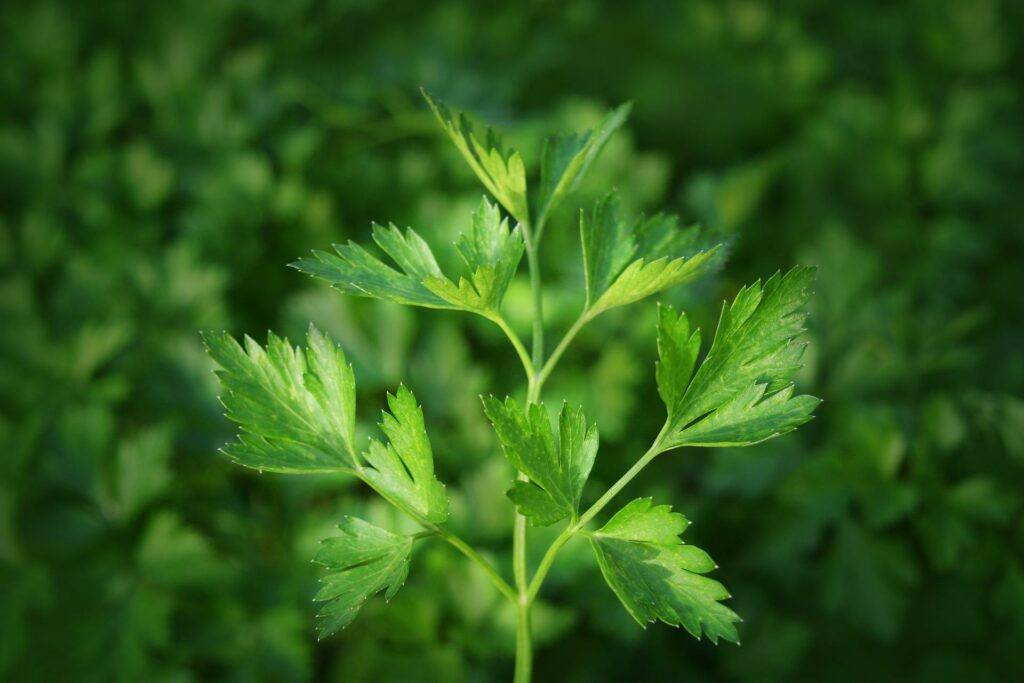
{"x": 500, "y": 170}
{"x": 741, "y": 393}
{"x": 657, "y": 577}
{"x": 363, "y": 561}
{"x": 566, "y": 158}
{"x": 403, "y": 469}
{"x": 296, "y": 407}
{"x": 556, "y": 467}
{"x": 624, "y": 263}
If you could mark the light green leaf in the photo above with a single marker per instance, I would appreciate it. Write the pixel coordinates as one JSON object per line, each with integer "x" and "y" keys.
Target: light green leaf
{"x": 741, "y": 393}
{"x": 501, "y": 170}
{"x": 657, "y": 577}
{"x": 566, "y": 158}
{"x": 355, "y": 271}
{"x": 492, "y": 253}
{"x": 296, "y": 407}
{"x": 360, "y": 563}
{"x": 557, "y": 468}
{"x": 403, "y": 470}
{"x": 626, "y": 262}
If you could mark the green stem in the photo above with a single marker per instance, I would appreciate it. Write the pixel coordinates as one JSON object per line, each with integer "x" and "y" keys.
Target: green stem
{"x": 524, "y": 652}
{"x": 538, "y": 301}
{"x": 643, "y": 462}
{"x": 556, "y": 355}
{"x": 432, "y": 529}
{"x": 548, "y": 560}
{"x": 517, "y": 344}
{"x": 476, "y": 557}
{"x": 524, "y": 646}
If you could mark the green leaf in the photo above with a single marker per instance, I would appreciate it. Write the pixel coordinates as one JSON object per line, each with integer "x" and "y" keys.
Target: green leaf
{"x": 173, "y": 554}
{"x": 557, "y": 468}
{"x": 741, "y": 394}
{"x": 142, "y": 471}
{"x": 624, "y": 263}
{"x": 657, "y": 577}
{"x": 501, "y": 170}
{"x": 403, "y": 470}
{"x": 361, "y": 562}
{"x": 491, "y": 252}
{"x": 566, "y": 158}
{"x": 296, "y": 407}
{"x": 355, "y": 271}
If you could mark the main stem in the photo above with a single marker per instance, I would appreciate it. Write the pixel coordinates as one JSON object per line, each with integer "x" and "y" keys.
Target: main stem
{"x": 524, "y": 646}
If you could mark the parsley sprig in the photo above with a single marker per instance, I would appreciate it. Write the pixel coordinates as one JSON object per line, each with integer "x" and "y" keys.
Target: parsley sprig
{"x": 296, "y": 407}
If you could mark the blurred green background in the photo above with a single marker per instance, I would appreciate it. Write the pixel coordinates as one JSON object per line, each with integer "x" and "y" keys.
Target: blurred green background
{"x": 160, "y": 163}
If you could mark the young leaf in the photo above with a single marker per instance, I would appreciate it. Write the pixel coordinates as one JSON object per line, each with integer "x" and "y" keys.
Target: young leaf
{"x": 657, "y": 577}
{"x": 501, "y": 170}
{"x": 296, "y": 407}
{"x": 492, "y": 253}
{"x": 741, "y": 393}
{"x": 624, "y": 263}
{"x": 355, "y": 271}
{"x": 403, "y": 470}
{"x": 557, "y": 467}
{"x": 361, "y": 562}
{"x": 566, "y": 158}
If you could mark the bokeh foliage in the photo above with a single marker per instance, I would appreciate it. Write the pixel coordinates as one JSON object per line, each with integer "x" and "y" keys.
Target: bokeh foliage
{"x": 160, "y": 163}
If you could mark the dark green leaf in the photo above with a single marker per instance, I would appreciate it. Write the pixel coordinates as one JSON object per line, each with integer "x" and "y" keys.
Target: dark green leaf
{"x": 741, "y": 393}
{"x": 657, "y": 577}
{"x": 557, "y": 467}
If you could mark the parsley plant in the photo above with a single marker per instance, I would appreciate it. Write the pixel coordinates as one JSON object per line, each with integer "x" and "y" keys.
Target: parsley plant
{"x": 296, "y": 406}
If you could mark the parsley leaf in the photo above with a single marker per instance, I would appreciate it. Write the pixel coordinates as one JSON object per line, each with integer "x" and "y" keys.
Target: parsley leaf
{"x": 566, "y": 158}
{"x": 624, "y": 263}
{"x": 355, "y": 271}
{"x": 296, "y": 407}
{"x": 557, "y": 467}
{"x": 491, "y": 251}
{"x": 403, "y": 470}
{"x": 657, "y": 577}
{"x": 361, "y": 562}
{"x": 742, "y": 392}
{"x": 501, "y": 170}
